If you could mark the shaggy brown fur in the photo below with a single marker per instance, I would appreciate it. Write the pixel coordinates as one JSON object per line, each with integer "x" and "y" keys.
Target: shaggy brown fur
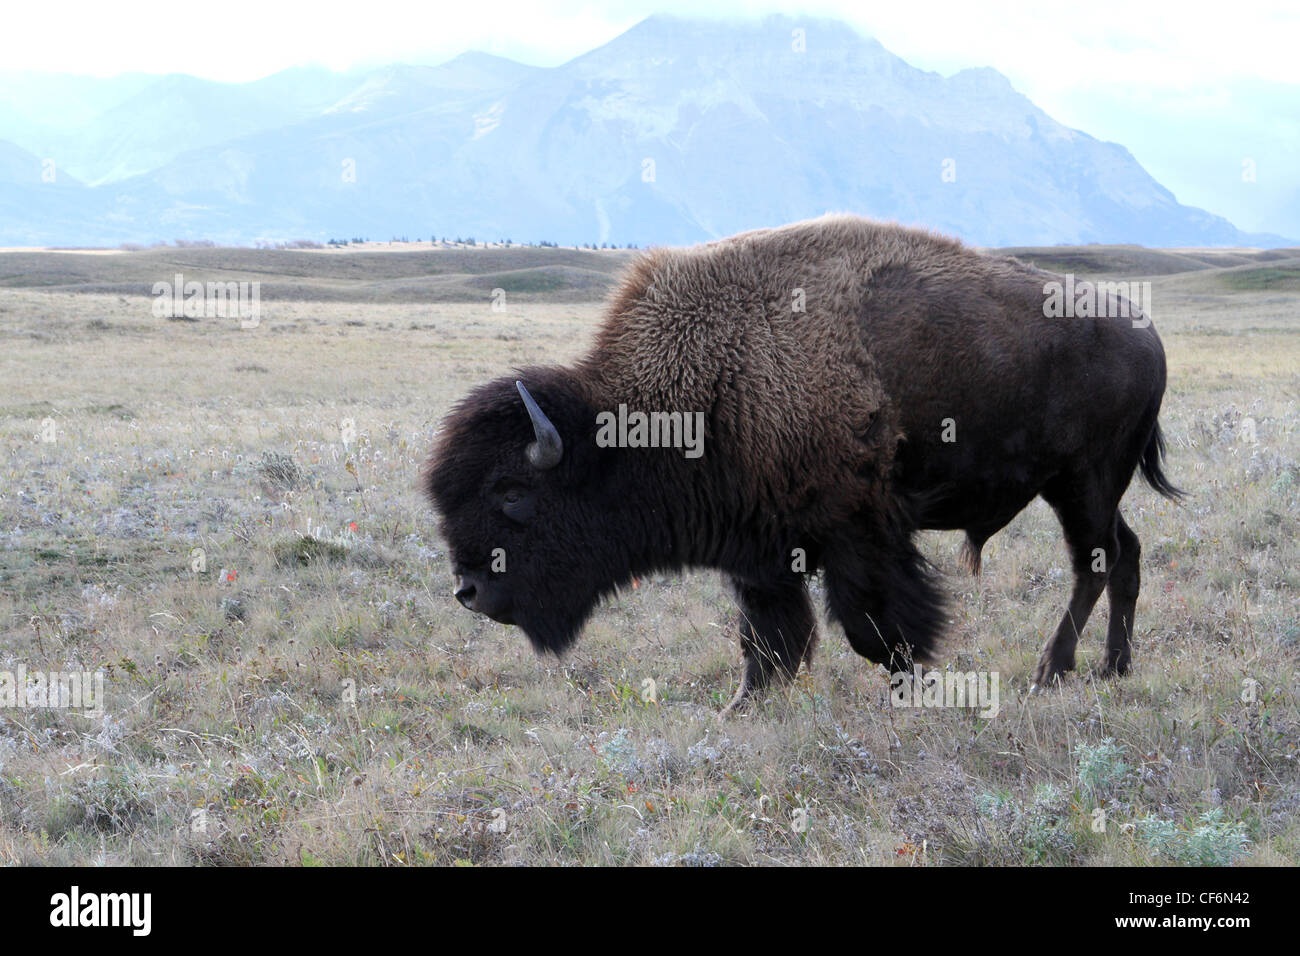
{"x": 791, "y": 398}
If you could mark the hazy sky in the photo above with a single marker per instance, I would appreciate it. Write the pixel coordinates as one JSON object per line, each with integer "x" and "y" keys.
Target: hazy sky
{"x": 1172, "y": 44}
{"x": 1188, "y": 87}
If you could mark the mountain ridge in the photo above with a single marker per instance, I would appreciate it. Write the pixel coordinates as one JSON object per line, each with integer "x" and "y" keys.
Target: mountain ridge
{"x": 676, "y": 131}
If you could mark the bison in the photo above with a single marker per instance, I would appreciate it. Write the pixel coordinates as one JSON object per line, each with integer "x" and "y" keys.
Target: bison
{"x": 855, "y": 382}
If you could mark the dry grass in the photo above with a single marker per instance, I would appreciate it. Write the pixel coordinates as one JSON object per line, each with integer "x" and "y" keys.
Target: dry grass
{"x": 400, "y": 273}
{"x": 319, "y": 698}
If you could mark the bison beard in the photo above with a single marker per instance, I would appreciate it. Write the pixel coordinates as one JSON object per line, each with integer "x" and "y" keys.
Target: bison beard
{"x": 831, "y": 361}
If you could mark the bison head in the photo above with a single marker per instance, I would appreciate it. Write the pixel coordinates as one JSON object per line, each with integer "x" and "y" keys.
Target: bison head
{"x": 529, "y": 505}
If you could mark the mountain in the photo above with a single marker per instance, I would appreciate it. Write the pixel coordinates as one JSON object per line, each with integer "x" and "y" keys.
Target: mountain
{"x": 38, "y": 109}
{"x": 676, "y": 131}
{"x": 1226, "y": 144}
{"x": 28, "y": 183}
{"x": 177, "y": 113}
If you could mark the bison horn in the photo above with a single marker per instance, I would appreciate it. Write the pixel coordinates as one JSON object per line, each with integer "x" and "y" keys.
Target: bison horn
{"x": 547, "y": 451}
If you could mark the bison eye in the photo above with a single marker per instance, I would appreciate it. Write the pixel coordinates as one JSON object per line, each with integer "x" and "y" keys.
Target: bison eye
{"x": 517, "y": 504}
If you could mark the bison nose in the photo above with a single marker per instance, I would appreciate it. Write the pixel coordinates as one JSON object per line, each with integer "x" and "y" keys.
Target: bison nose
{"x": 465, "y": 593}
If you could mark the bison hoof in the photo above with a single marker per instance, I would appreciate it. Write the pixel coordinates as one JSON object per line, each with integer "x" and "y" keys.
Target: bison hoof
{"x": 1114, "y": 668}
{"x": 1047, "y": 675}
{"x": 737, "y": 708}
{"x": 741, "y": 705}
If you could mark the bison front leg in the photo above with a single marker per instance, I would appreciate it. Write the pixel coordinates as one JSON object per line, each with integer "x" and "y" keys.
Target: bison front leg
{"x": 886, "y": 599}
{"x": 777, "y": 633}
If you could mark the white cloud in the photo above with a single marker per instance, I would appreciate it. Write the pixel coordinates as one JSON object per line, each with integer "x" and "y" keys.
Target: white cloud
{"x": 236, "y": 40}
{"x": 1100, "y": 43}
{"x": 1045, "y": 49}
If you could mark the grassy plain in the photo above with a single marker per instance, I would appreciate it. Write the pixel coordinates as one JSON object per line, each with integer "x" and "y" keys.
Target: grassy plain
{"x": 314, "y": 695}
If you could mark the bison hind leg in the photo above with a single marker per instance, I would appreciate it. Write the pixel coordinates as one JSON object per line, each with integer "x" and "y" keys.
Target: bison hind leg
{"x": 887, "y": 600}
{"x": 1122, "y": 587}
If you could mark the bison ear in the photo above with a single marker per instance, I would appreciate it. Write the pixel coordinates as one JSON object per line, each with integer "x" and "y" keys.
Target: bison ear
{"x": 547, "y": 451}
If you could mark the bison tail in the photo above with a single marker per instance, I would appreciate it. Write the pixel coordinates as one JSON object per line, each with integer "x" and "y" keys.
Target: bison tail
{"x": 1152, "y": 459}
